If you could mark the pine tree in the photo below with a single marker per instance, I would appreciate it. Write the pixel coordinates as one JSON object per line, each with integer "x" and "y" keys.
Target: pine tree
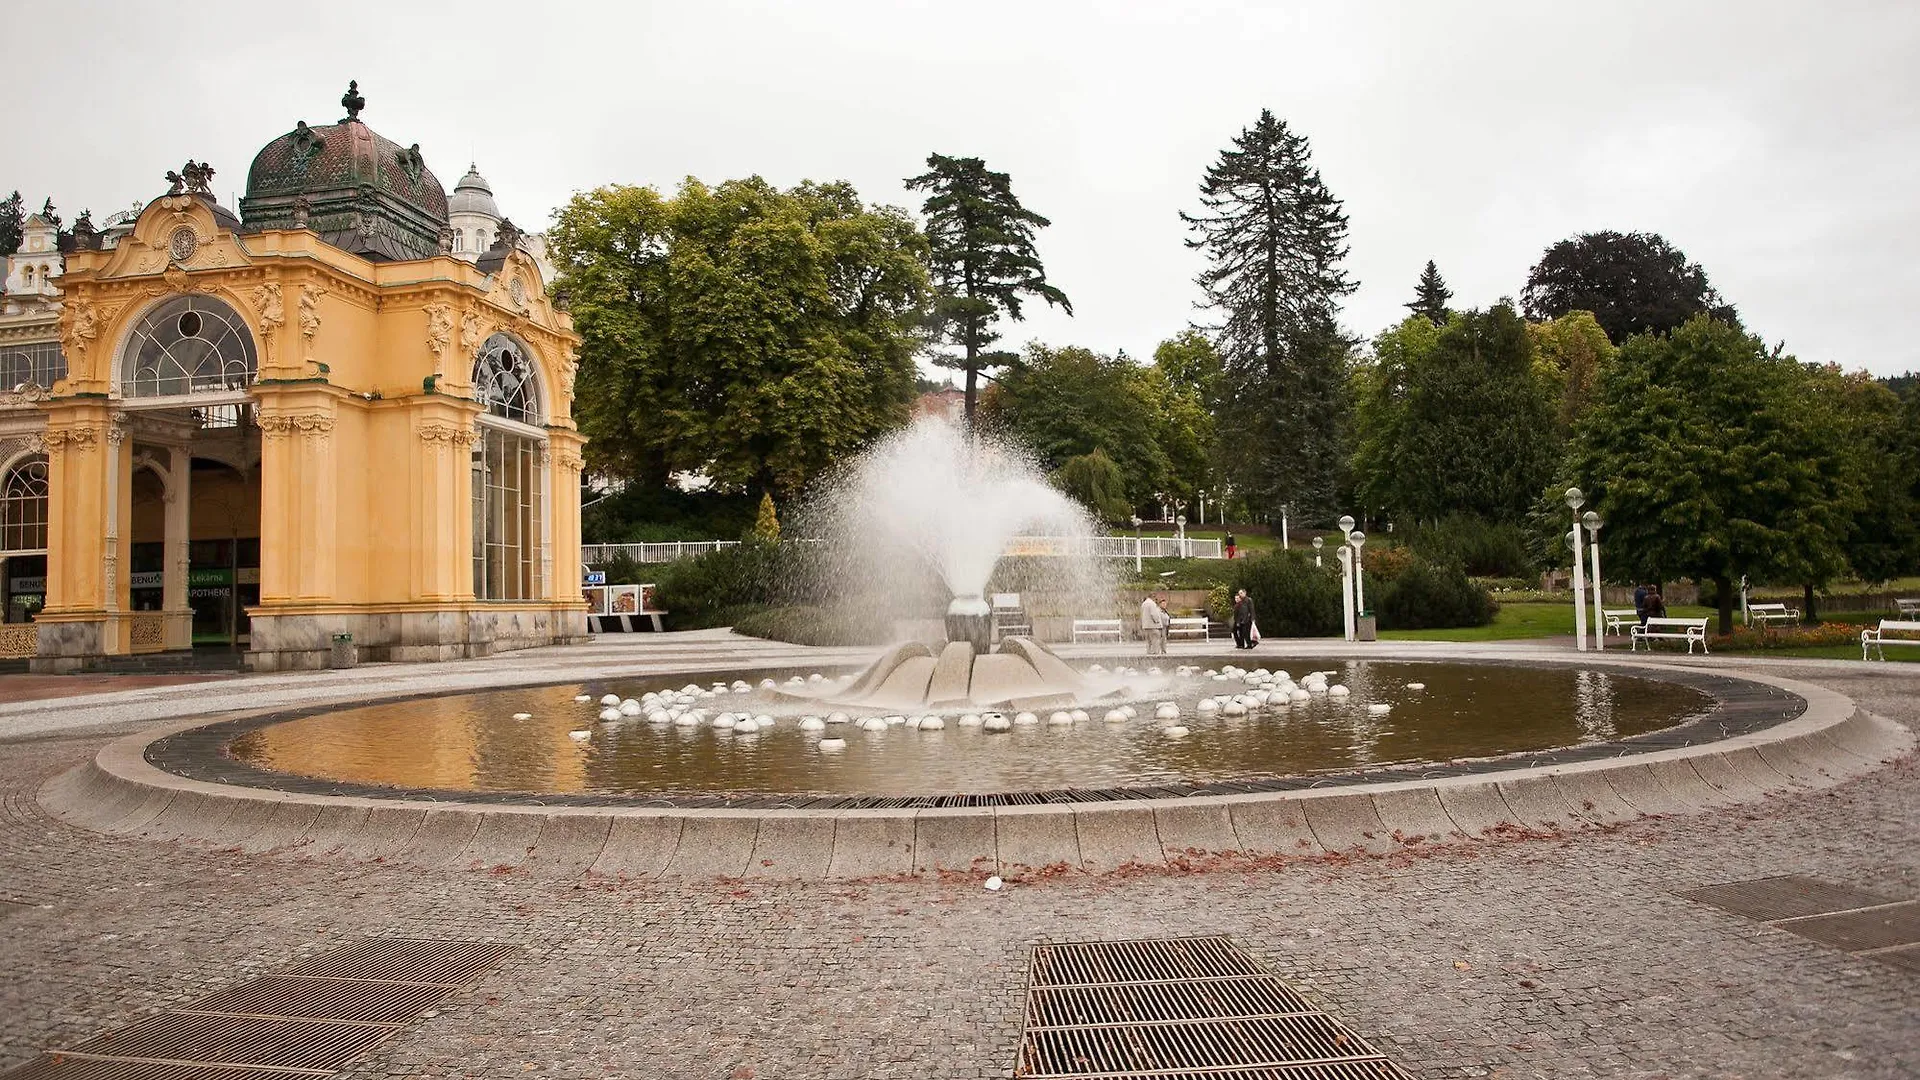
{"x": 766, "y": 524}
{"x": 12, "y": 217}
{"x": 1430, "y": 296}
{"x": 982, "y": 260}
{"x": 1275, "y": 236}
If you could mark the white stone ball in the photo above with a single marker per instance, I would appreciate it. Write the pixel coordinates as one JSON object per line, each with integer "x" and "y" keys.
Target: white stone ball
{"x": 796, "y": 680}
{"x": 1153, "y": 671}
{"x": 933, "y": 723}
{"x": 1132, "y": 713}
{"x": 816, "y": 677}
{"x": 995, "y": 722}
{"x": 583, "y": 697}
{"x": 913, "y": 723}
{"x": 895, "y": 721}
{"x": 1233, "y": 708}
{"x": 1096, "y": 668}
{"x": 630, "y": 707}
{"x": 767, "y": 684}
{"x": 873, "y": 723}
{"x": 812, "y": 723}
{"x": 1115, "y": 716}
{"x": 1175, "y": 732}
{"x": 1416, "y": 686}
{"x": 833, "y": 744}
{"x": 579, "y": 736}
{"x": 609, "y": 715}
{"x": 1060, "y": 719}
{"x": 838, "y": 718}
{"x": 1026, "y": 719}
{"x": 1381, "y": 709}
{"x": 1080, "y": 716}
{"x": 686, "y": 719}
{"x": 1167, "y": 711}
{"x": 610, "y": 699}
{"x": 742, "y": 686}
{"x": 763, "y": 721}
{"x": 1298, "y": 695}
{"x": 659, "y": 716}
{"x": 727, "y": 722}
{"x": 970, "y": 720}
{"x": 1207, "y": 706}
{"x": 1337, "y": 690}
{"x": 690, "y": 688}
{"x": 1317, "y": 688}
{"x": 718, "y": 688}
{"x": 1209, "y": 674}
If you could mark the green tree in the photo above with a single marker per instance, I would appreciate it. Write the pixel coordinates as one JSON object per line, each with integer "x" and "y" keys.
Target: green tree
{"x": 1430, "y": 296}
{"x": 1702, "y": 454}
{"x": 766, "y": 523}
{"x": 1455, "y": 419}
{"x": 1633, "y": 283}
{"x": 1069, "y": 402}
{"x": 1096, "y": 481}
{"x": 753, "y": 334}
{"x": 983, "y": 261}
{"x": 12, "y": 216}
{"x": 1880, "y": 440}
{"x": 1572, "y": 350}
{"x": 1274, "y": 237}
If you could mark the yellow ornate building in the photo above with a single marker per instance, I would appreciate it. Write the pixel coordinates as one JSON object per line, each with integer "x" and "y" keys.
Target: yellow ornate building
{"x": 311, "y": 409}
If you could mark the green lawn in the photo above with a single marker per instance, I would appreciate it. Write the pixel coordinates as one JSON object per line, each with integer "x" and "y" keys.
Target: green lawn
{"x": 1246, "y": 541}
{"x": 1522, "y": 620}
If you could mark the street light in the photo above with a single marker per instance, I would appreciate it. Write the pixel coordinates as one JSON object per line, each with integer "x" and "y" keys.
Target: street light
{"x": 1575, "y": 500}
{"x": 1181, "y": 523}
{"x": 1283, "y": 526}
{"x": 1136, "y": 543}
{"x": 1346, "y": 528}
{"x": 1358, "y": 540}
{"x": 1593, "y": 523}
{"x": 1318, "y": 543}
{"x": 1345, "y": 555}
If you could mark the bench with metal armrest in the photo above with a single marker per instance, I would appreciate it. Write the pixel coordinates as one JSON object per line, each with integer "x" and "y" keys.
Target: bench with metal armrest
{"x": 1691, "y": 631}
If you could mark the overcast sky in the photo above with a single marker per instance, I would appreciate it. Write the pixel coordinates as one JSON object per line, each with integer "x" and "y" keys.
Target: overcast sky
{"x": 1778, "y": 144}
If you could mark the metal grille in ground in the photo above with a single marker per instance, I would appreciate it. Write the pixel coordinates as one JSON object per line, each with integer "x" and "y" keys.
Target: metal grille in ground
{"x": 308, "y": 1021}
{"x": 1788, "y": 896}
{"x": 1179, "y": 1009}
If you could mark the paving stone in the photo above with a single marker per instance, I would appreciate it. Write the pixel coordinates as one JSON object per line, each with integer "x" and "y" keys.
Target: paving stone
{"x": 1477, "y": 808}
{"x": 714, "y": 845}
{"x": 871, "y": 843}
{"x": 638, "y": 847}
{"x": 1273, "y": 827}
{"x": 568, "y": 846}
{"x": 792, "y": 845}
{"x": 1194, "y": 833}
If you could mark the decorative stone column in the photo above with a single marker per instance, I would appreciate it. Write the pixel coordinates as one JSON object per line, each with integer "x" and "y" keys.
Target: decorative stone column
{"x": 444, "y": 434}
{"x": 299, "y": 506}
{"x": 178, "y": 613}
{"x": 88, "y": 496}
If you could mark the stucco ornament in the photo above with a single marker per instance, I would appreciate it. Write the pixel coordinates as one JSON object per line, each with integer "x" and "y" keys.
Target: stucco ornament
{"x": 569, "y": 367}
{"x": 436, "y": 431}
{"x": 273, "y": 314}
{"x": 79, "y": 325}
{"x": 77, "y": 438}
{"x": 310, "y": 318}
{"x": 439, "y": 332}
{"x": 470, "y": 335}
{"x": 282, "y": 426}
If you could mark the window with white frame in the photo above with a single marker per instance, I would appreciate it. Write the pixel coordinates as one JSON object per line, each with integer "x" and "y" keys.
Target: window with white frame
{"x": 509, "y": 487}
{"x": 23, "y": 507}
{"x": 188, "y": 345}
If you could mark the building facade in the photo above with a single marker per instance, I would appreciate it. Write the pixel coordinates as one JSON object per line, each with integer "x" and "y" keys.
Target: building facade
{"x": 305, "y": 420}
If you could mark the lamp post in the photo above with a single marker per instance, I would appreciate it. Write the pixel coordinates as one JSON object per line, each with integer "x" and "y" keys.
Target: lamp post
{"x": 1346, "y": 527}
{"x": 1283, "y": 527}
{"x": 1318, "y": 543}
{"x": 1136, "y": 543}
{"x": 1593, "y": 523}
{"x": 1358, "y": 539}
{"x": 1181, "y": 523}
{"x": 1203, "y": 507}
{"x": 1575, "y": 500}
{"x": 1345, "y": 555}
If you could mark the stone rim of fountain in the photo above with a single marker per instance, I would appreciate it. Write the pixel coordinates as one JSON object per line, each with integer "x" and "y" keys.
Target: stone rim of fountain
{"x": 1823, "y": 741}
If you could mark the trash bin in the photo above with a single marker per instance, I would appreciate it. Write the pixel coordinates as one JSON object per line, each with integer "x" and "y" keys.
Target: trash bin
{"x": 1364, "y": 628}
{"x": 345, "y": 653}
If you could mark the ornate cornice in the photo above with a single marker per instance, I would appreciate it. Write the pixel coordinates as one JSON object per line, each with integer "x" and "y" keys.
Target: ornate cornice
{"x": 570, "y": 461}
{"x": 77, "y": 438}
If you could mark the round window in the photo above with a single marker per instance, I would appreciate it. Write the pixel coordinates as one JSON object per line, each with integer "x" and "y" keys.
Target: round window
{"x": 190, "y": 324}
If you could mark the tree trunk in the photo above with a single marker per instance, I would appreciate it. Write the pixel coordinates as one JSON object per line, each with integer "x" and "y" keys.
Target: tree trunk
{"x": 1808, "y": 616}
{"x": 1725, "y": 587}
{"x": 973, "y": 374}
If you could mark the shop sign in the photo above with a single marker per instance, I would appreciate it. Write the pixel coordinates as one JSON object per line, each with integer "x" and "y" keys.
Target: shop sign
{"x": 28, "y": 584}
{"x": 222, "y": 576}
{"x": 148, "y": 579}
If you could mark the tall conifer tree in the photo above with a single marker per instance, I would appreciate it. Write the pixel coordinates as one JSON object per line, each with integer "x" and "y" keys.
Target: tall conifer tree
{"x": 12, "y": 217}
{"x": 1430, "y": 296}
{"x": 1275, "y": 237}
{"x": 982, "y": 260}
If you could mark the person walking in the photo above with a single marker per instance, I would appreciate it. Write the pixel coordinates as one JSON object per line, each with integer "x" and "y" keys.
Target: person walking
{"x": 1242, "y": 620}
{"x": 1230, "y": 546}
{"x": 1656, "y": 605}
{"x": 1154, "y": 621}
{"x": 1640, "y": 603}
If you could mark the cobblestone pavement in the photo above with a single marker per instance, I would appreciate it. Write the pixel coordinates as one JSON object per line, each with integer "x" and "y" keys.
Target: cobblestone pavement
{"x": 1559, "y": 957}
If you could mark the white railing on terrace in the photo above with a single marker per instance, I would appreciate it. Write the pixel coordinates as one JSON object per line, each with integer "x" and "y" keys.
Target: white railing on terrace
{"x": 1102, "y": 547}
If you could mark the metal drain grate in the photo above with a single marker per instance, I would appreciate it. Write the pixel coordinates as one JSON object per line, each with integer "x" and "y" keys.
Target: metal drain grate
{"x": 1907, "y": 956}
{"x": 1787, "y": 897}
{"x": 1179, "y": 1009}
{"x": 309, "y": 1021}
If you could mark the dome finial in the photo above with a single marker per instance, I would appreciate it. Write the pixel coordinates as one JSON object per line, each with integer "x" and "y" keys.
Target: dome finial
{"x": 352, "y": 101}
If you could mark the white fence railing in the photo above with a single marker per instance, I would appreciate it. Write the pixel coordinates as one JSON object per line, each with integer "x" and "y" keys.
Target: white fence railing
{"x": 1100, "y": 547}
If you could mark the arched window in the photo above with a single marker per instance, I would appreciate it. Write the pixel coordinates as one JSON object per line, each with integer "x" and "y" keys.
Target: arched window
{"x": 479, "y": 239}
{"x": 23, "y": 507}
{"x": 509, "y": 475}
{"x": 40, "y": 363}
{"x": 27, "y": 275}
{"x": 459, "y": 238}
{"x": 503, "y": 380}
{"x": 188, "y": 345}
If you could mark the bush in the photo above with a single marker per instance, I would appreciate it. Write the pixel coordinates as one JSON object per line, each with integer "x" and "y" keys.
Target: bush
{"x": 1220, "y": 604}
{"x": 1291, "y": 597}
{"x": 1482, "y": 548}
{"x": 1430, "y": 595}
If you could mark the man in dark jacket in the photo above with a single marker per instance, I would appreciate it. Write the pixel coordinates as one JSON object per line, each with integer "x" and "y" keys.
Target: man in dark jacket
{"x": 1242, "y": 620}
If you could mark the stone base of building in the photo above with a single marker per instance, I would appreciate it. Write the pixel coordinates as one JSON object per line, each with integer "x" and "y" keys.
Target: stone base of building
{"x": 302, "y": 642}
{"x": 67, "y": 647}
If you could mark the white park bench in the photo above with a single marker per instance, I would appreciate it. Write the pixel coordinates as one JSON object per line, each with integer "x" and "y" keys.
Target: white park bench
{"x": 1009, "y": 617}
{"x": 1765, "y": 615}
{"x": 1687, "y": 630}
{"x": 1188, "y": 626}
{"x": 1909, "y": 607}
{"x": 1875, "y": 637}
{"x": 1619, "y": 619}
{"x": 1098, "y": 630}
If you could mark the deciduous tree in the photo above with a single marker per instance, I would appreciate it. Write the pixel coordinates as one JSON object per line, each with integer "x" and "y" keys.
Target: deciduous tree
{"x": 1069, "y": 402}
{"x": 1634, "y": 283}
{"x": 983, "y": 260}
